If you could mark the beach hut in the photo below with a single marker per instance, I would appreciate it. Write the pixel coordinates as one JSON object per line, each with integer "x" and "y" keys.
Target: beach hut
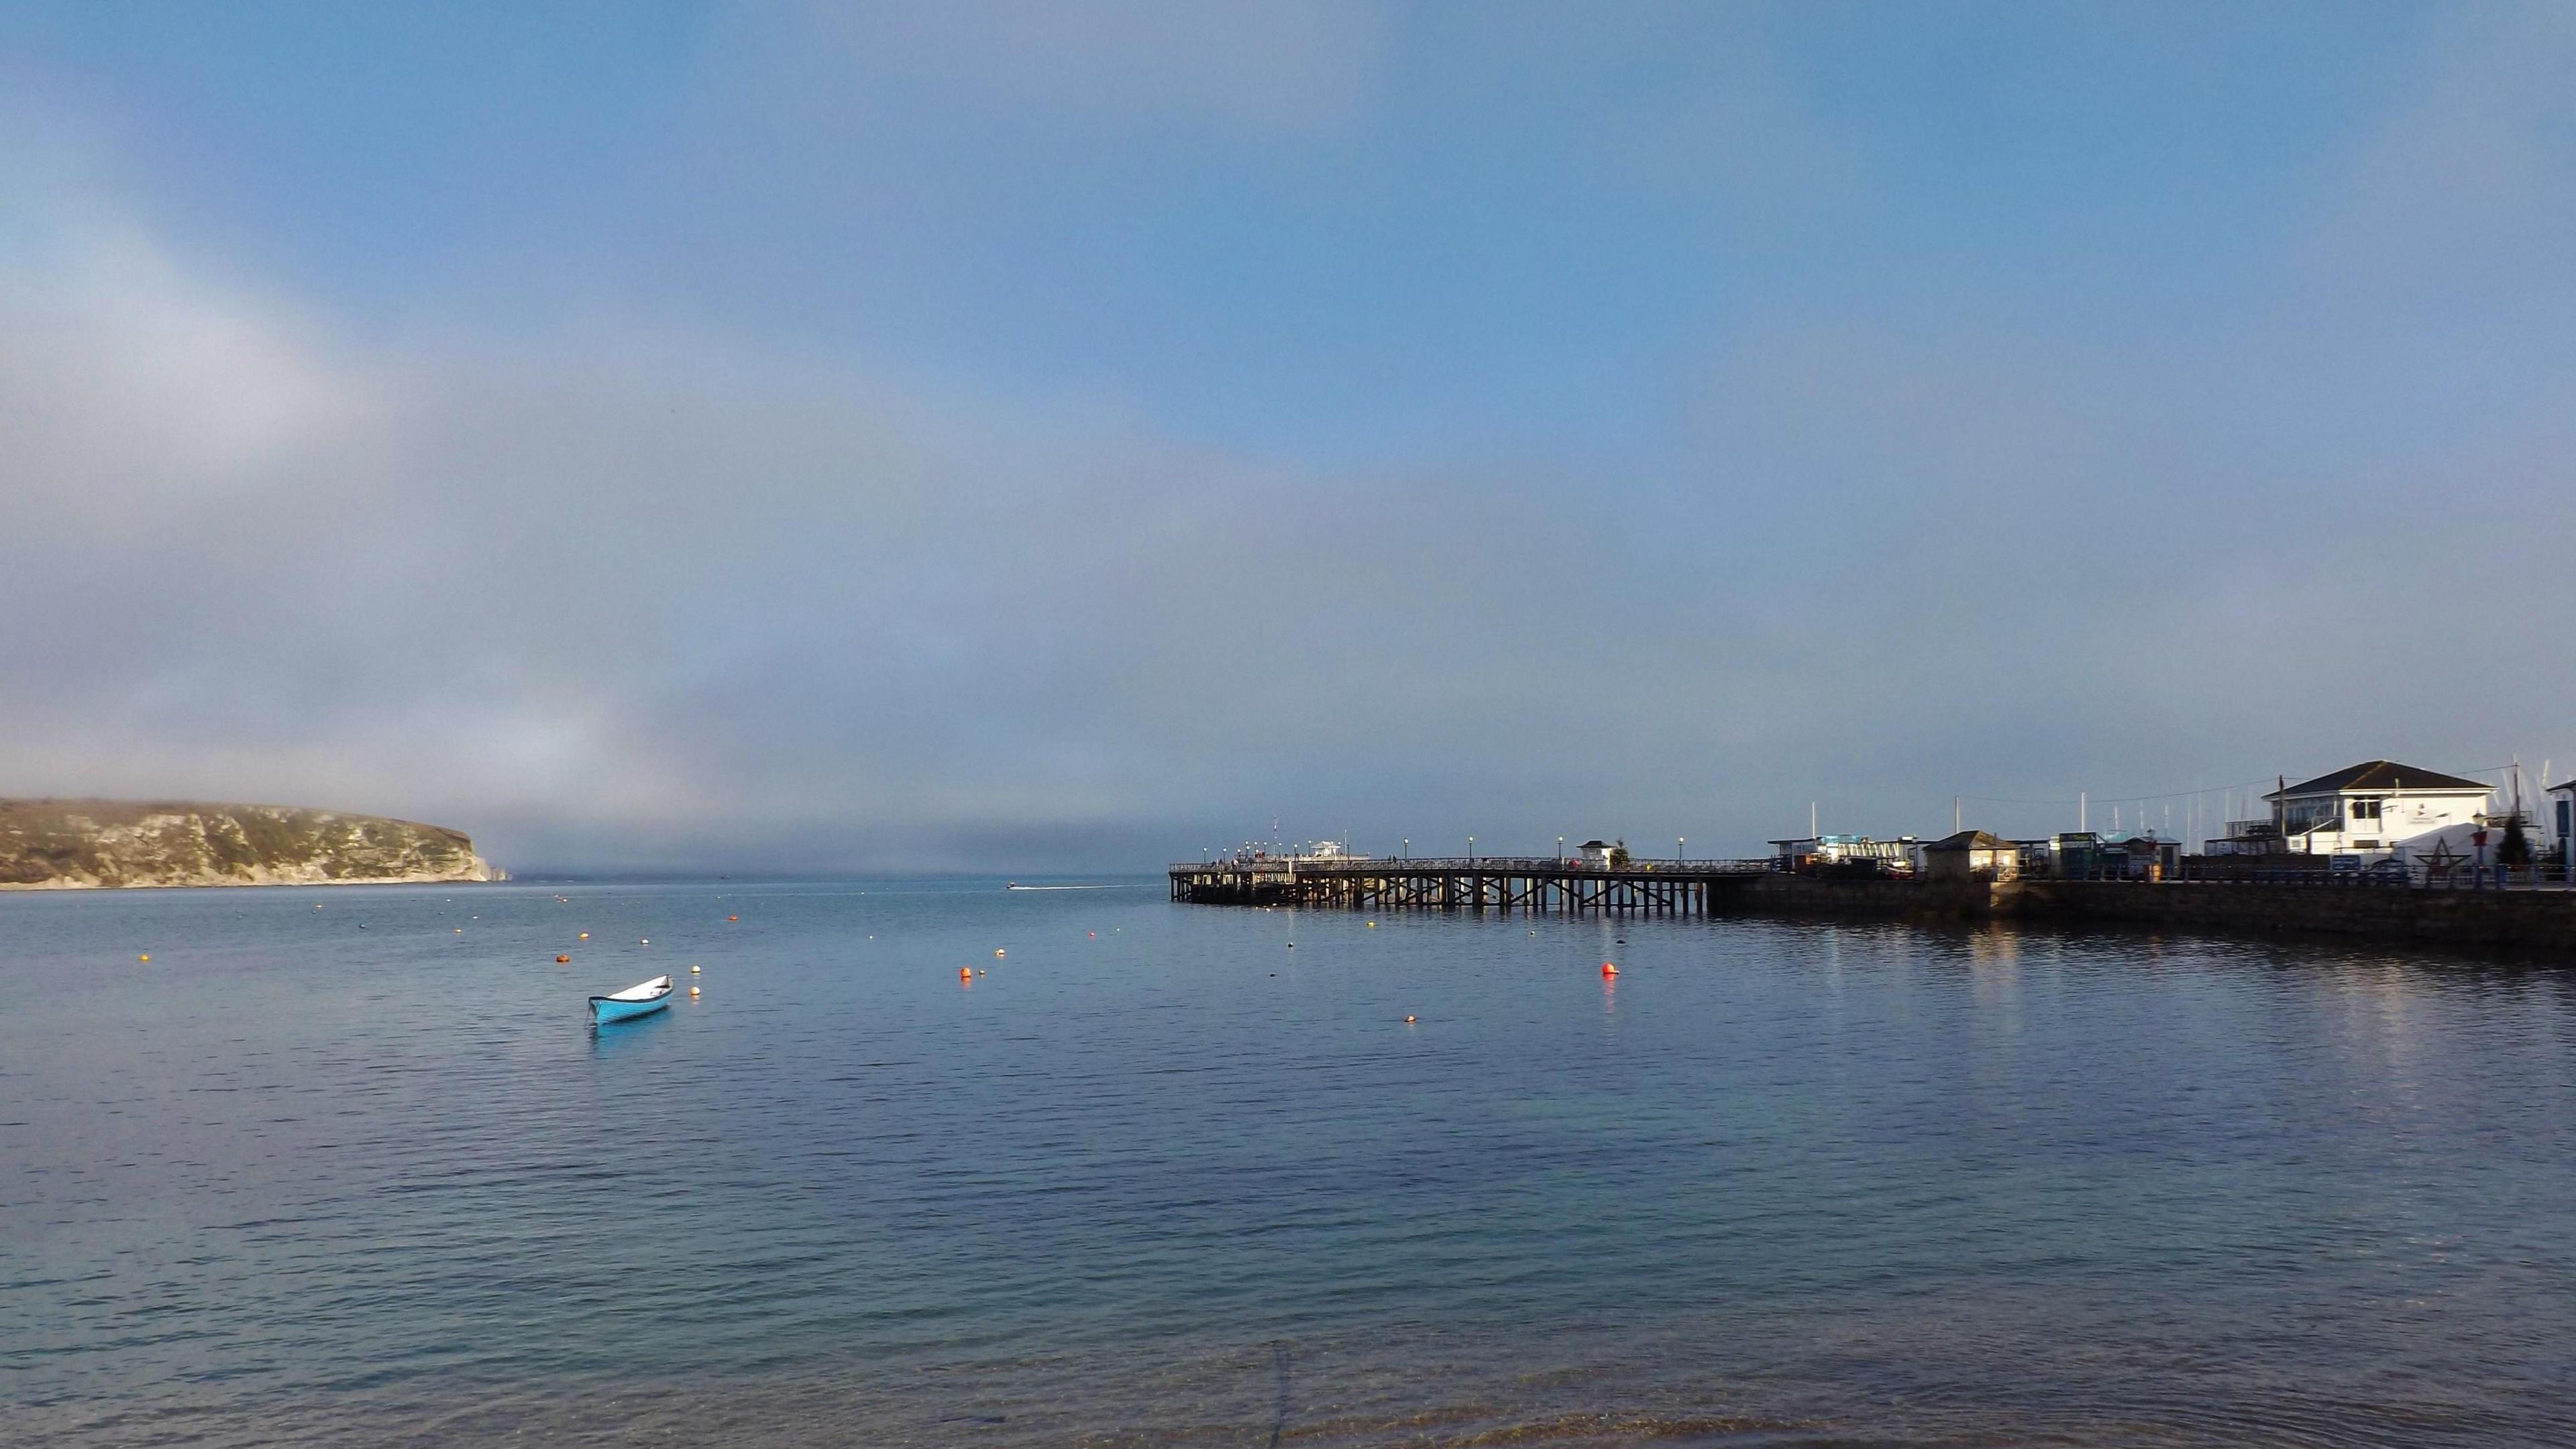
{"x": 1971, "y": 855}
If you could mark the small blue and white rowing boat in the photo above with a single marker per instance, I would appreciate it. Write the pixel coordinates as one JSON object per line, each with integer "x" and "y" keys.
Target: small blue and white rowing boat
{"x": 637, "y": 1000}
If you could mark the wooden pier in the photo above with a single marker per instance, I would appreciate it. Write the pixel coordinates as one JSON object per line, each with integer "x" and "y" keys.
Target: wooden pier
{"x": 1537, "y": 886}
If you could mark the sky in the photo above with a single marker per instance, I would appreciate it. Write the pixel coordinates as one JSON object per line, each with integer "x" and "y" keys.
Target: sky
{"x": 1017, "y": 437}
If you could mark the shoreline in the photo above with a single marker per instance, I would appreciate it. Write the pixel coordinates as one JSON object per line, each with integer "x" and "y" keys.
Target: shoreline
{"x": 493, "y": 876}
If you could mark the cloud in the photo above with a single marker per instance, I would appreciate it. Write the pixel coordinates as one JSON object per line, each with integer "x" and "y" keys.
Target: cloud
{"x": 637, "y": 587}
{"x": 638, "y": 597}
{"x": 2065, "y": 565}
{"x": 632, "y": 597}
{"x": 1272, "y": 67}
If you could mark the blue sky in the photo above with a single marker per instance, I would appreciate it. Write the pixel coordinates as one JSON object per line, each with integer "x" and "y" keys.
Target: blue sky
{"x": 1022, "y": 435}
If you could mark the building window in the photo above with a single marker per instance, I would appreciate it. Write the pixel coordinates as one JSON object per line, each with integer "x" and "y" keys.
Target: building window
{"x": 2365, "y": 809}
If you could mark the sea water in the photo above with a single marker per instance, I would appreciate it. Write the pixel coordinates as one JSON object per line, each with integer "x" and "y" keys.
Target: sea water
{"x": 351, "y": 1166}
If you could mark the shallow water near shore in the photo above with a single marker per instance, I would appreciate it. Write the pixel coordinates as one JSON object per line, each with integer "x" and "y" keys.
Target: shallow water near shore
{"x": 365, "y": 1175}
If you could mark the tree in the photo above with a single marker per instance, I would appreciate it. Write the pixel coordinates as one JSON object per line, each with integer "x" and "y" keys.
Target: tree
{"x": 2515, "y": 849}
{"x": 1619, "y": 856}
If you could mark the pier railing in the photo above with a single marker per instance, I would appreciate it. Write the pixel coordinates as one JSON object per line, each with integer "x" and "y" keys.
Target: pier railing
{"x": 2467, "y": 877}
{"x": 1507, "y": 883}
{"x": 1504, "y": 864}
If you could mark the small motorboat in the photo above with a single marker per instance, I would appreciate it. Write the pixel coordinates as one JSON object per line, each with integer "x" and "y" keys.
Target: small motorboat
{"x": 643, "y": 998}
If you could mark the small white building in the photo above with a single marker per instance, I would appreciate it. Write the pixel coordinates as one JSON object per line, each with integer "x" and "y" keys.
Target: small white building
{"x": 1595, "y": 853}
{"x": 2372, "y": 808}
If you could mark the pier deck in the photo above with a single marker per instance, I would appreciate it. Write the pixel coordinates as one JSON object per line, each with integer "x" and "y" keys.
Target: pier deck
{"x": 1542, "y": 885}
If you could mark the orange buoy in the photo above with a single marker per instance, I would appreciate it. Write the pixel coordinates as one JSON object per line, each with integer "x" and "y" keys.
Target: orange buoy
{"x": 1609, "y": 970}
{"x": 585, "y": 935}
{"x": 965, "y": 973}
{"x": 693, "y": 991}
{"x": 563, "y": 960}
{"x": 146, "y": 956}
{"x": 733, "y": 918}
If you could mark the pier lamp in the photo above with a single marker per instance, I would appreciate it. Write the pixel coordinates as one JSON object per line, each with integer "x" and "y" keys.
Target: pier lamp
{"x": 1471, "y": 850}
{"x": 1408, "y": 850}
{"x": 1677, "y": 850}
{"x": 1560, "y": 850}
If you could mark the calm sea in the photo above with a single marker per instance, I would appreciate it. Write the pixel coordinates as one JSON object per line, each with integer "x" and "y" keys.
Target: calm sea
{"x": 350, "y": 1167}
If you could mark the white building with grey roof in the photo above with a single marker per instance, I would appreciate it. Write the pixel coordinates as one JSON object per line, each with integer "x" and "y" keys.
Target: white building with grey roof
{"x": 2373, "y": 808}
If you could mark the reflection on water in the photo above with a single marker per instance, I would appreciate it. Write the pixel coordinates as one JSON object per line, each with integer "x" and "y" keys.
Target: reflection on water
{"x": 1155, "y": 1178}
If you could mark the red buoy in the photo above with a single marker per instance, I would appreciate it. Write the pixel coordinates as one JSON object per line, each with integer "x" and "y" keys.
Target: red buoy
{"x": 1609, "y": 970}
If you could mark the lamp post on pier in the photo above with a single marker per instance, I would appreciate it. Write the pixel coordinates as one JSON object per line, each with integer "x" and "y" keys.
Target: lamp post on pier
{"x": 1560, "y": 852}
{"x": 1678, "y": 842}
{"x": 1471, "y": 850}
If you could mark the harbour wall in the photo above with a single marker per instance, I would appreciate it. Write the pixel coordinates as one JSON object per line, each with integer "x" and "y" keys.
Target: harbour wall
{"x": 2537, "y": 919}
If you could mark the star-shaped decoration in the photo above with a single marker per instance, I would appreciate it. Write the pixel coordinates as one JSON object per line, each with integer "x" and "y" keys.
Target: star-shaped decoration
{"x": 2441, "y": 860}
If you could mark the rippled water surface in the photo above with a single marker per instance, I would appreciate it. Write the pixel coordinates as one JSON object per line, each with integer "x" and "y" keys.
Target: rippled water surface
{"x": 363, "y": 1174}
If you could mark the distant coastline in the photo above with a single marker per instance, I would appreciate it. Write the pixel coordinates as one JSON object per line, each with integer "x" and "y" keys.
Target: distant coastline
{"x": 85, "y": 844}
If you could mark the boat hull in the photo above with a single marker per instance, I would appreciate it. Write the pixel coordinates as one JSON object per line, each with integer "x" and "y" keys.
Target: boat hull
{"x": 604, "y": 1010}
